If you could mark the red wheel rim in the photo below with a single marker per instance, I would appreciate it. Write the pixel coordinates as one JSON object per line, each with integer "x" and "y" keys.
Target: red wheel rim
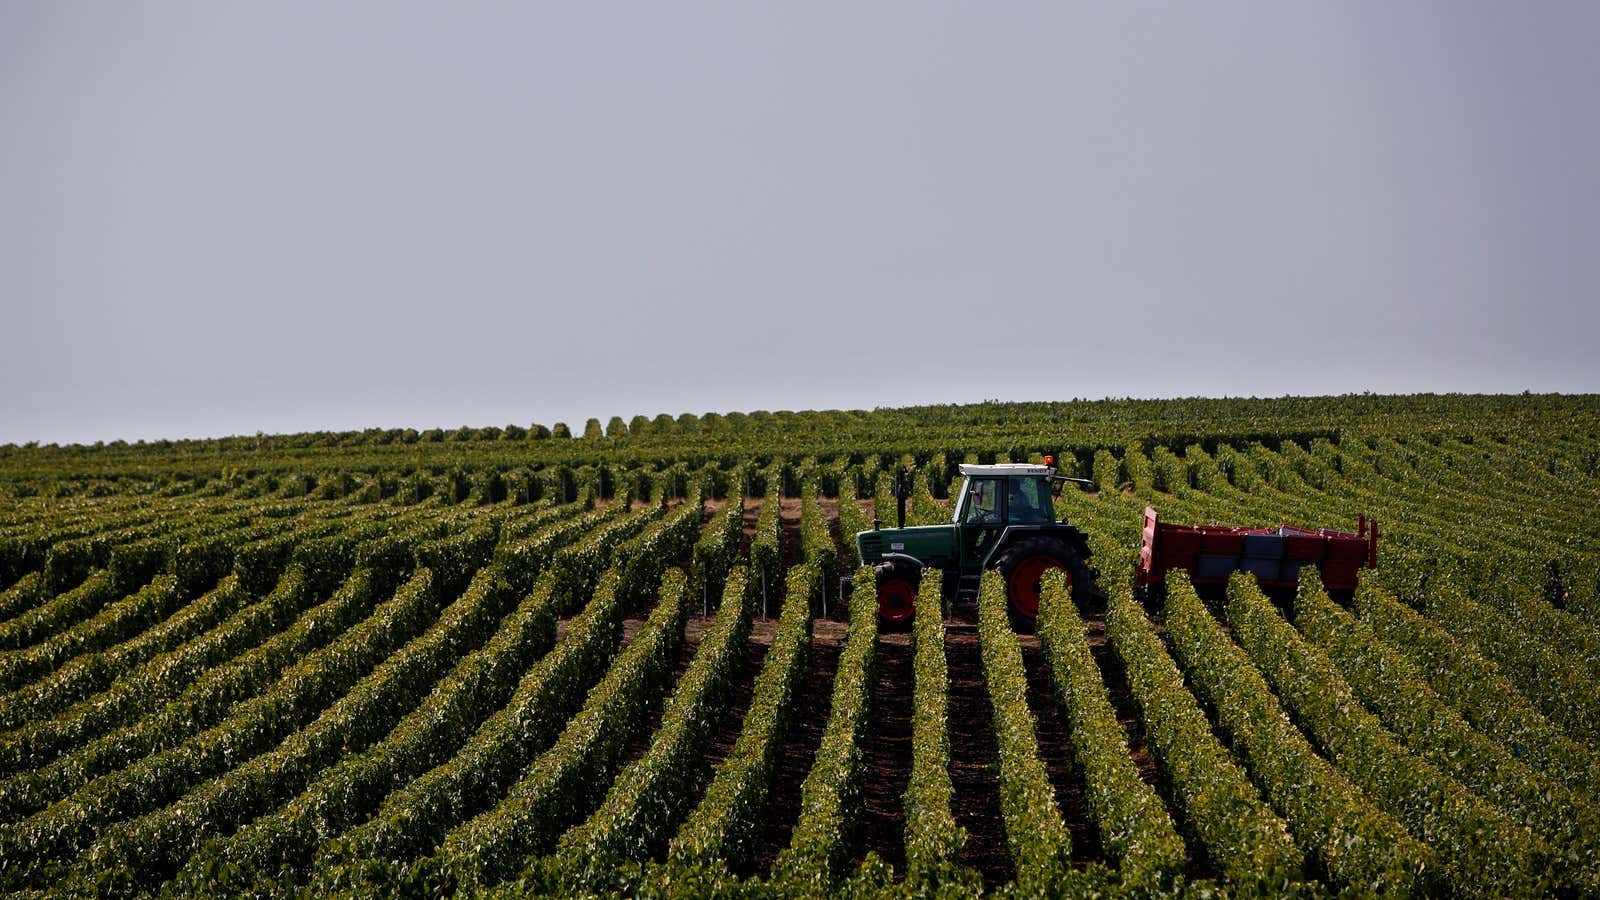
{"x": 1023, "y": 589}
{"x": 896, "y": 599}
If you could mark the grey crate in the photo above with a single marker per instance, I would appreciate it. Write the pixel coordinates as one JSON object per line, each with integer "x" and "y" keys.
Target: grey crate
{"x": 1263, "y": 546}
{"x": 1289, "y": 569}
{"x": 1268, "y": 569}
{"x": 1215, "y": 566}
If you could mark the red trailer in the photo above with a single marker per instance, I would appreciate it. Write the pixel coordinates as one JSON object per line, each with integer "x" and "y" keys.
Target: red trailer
{"x": 1210, "y": 553}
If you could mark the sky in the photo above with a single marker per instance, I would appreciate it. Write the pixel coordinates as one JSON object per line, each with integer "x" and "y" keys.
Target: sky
{"x": 223, "y": 218}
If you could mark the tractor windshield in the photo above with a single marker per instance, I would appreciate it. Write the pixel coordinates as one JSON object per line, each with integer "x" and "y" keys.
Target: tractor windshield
{"x": 982, "y": 503}
{"x": 1028, "y": 502}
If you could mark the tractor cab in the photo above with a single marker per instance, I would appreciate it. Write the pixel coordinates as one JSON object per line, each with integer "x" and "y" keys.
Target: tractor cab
{"x": 1004, "y": 519}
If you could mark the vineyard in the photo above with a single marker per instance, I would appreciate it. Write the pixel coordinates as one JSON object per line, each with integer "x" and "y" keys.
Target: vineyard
{"x": 622, "y": 660}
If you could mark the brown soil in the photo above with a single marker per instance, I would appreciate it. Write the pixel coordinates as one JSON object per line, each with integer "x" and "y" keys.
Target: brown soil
{"x": 974, "y": 756}
{"x": 743, "y": 689}
{"x": 789, "y": 541}
{"x": 1056, "y": 750}
{"x": 642, "y": 737}
{"x": 812, "y": 704}
{"x": 887, "y": 751}
{"x": 752, "y": 509}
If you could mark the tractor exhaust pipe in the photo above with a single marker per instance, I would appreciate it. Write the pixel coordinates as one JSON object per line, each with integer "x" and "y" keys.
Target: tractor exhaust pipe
{"x": 902, "y": 490}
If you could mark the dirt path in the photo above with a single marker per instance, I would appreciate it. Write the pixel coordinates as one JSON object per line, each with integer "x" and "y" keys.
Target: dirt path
{"x": 1056, "y": 750}
{"x": 887, "y": 751}
{"x": 642, "y": 738}
{"x": 800, "y": 748}
{"x": 789, "y": 543}
{"x": 974, "y": 756}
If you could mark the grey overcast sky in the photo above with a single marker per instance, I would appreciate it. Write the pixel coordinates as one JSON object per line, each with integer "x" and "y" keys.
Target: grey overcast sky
{"x": 222, "y": 218}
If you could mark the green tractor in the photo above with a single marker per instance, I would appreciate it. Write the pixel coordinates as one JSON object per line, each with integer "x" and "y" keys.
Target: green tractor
{"x": 1004, "y": 520}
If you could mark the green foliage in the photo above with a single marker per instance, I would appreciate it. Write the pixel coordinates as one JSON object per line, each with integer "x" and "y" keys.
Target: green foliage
{"x": 650, "y": 796}
{"x": 723, "y": 826}
{"x": 414, "y": 819}
{"x": 766, "y": 557}
{"x": 219, "y": 669}
{"x": 1485, "y": 853}
{"x": 569, "y": 779}
{"x": 831, "y": 803}
{"x": 340, "y": 796}
{"x": 717, "y": 549}
{"x": 1479, "y": 691}
{"x": 852, "y": 521}
{"x": 1041, "y": 847}
{"x": 1133, "y": 825}
{"x": 933, "y": 839}
{"x": 1386, "y": 683}
{"x": 1349, "y": 840}
{"x": 1241, "y": 835}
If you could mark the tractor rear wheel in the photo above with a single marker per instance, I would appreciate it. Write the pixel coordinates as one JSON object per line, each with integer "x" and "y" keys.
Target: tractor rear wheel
{"x": 1023, "y": 565}
{"x": 897, "y": 595}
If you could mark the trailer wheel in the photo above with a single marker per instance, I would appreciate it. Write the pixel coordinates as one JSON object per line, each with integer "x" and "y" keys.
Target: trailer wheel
{"x": 1023, "y": 565}
{"x": 897, "y": 595}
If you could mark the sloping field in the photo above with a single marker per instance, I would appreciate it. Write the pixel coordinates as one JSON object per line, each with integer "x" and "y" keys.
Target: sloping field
{"x": 514, "y": 661}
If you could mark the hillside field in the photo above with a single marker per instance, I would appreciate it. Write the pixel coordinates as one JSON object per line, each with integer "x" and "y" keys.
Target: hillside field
{"x": 620, "y": 659}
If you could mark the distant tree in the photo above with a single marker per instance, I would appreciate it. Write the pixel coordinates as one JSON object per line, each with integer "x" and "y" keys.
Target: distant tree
{"x": 560, "y": 430}
{"x": 592, "y": 429}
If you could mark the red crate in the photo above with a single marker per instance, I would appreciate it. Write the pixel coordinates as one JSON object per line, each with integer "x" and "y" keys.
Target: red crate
{"x": 1179, "y": 546}
{"x": 1341, "y": 575}
{"x": 1304, "y": 546}
{"x": 1221, "y": 543}
{"x": 1347, "y": 547}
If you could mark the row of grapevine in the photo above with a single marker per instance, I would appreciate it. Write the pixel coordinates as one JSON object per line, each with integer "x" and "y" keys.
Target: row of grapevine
{"x": 1134, "y": 826}
{"x": 68, "y": 828}
{"x": 157, "y": 843}
{"x": 1391, "y": 687}
{"x": 412, "y": 821}
{"x": 1247, "y": 842}
{"x": 567, "y": 781}
{"x": 1484, "y": 852}
{"x": 1349, "y": 840}
{"x": 717, "y": 549}
{"x": 721, "y": 829}
{"x": 1040, "y": 845}
{"x": 933, "y": 839}
{"x": 651, "y": 795}
{"x": 341, "y": 796}
{"x": 766, "y": 556}
{"x": 1479, "y": 691}
{"x": 830, "y": 798}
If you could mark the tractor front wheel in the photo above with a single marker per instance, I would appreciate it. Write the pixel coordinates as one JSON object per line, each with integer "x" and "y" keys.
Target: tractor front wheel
{"x": 1023, "y": 565}
{"x": 897, "y": 596}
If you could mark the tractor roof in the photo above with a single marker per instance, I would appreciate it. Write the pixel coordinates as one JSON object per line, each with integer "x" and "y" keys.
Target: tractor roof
{"x": 1007, "y": 469}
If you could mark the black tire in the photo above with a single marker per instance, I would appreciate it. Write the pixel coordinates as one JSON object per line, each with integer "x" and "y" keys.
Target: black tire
{"x": 1023, "y": 562}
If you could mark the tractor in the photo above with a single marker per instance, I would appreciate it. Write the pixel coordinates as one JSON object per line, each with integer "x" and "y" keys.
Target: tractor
{"x": 1004, "y": 519}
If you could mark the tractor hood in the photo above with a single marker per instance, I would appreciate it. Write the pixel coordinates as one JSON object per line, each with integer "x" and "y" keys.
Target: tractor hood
{"x": 933, "y": 545}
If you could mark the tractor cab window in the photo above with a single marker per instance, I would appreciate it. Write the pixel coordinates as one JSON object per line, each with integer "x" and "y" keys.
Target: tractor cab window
{"x": 982, "y": 503}
{"x": 1028, "y": 502}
